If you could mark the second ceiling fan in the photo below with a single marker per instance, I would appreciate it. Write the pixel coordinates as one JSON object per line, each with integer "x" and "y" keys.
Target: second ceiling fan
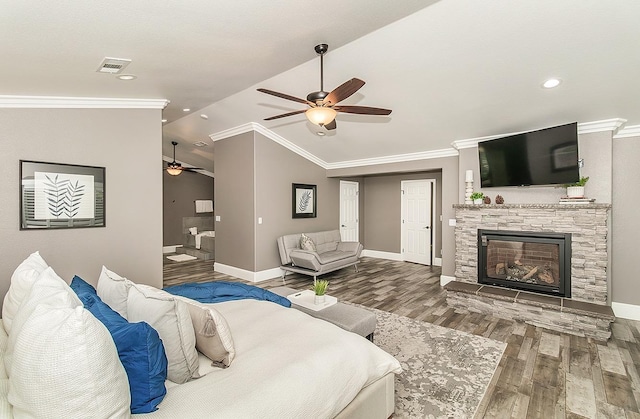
{"x": 323, "y": 106}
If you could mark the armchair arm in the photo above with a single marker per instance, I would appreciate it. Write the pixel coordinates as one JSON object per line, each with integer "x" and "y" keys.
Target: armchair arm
{"x": 305, "y": 259}
{"x": 350, "y": 247}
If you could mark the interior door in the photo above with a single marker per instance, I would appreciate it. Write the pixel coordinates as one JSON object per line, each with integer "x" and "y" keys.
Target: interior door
{"x": 349, "y": 226}
{"x": 416, "y": 221}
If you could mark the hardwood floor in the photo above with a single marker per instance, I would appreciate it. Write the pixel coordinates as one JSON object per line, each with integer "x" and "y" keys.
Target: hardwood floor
{"x": 542, "y": 374}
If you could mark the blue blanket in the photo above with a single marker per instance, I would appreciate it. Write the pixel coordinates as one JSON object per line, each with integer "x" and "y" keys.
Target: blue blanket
{"x": 219, "y": 291}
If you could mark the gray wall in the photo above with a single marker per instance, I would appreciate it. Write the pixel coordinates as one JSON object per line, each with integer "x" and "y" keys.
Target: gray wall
{"x": 626, "y": 224}
{"x": 235, "y": 201}
{"x": 179, "y": 194}
{"x": 382, "y": 210}
{"x": 449, "y": 172}
{"x": 276, "y": 169}
{"x": 124, "y": 141}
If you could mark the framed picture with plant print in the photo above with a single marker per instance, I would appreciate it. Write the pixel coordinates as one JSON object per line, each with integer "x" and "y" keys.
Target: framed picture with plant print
{"x": 54, "y": 195}
{"x": 304, "y": 200}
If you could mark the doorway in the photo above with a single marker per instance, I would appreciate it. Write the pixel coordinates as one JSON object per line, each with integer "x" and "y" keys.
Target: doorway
{"x": 417, "y": 226}
{"x": 349, "y": 210}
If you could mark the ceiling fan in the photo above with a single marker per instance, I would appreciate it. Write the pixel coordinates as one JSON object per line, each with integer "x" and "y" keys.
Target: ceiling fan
{"x": 323, "y": 106}
{"x": 174, "y": 168}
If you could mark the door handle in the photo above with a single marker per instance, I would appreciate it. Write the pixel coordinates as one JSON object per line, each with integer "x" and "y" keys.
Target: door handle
{"x": 343, "y": 225}
{"x": 427, "y": 227}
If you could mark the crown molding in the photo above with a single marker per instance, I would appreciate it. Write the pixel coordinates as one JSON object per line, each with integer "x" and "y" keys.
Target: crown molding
{"x": 398, "y": 158}
{"x": 583, "y": 128}
{"x": 630, "y": 131}
{"x": 11, "y": 101}
{"x": 254, "y": 126}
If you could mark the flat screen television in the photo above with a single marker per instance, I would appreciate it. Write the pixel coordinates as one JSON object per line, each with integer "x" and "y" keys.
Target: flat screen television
{"x": 544, "y": 157}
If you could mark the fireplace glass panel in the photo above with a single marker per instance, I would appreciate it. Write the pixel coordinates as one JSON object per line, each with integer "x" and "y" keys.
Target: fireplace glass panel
{"x": 524, "y": 262}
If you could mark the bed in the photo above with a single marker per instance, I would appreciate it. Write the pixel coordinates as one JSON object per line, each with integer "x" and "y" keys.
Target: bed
{"x": 287, "y": 365}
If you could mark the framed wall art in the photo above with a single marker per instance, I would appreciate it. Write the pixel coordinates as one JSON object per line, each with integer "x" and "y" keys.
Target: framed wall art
{"x": 304, "y": 200}
{"x": 54, "y": 195}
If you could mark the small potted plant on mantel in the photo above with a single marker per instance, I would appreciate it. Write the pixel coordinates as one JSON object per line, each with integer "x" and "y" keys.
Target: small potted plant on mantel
{"x": 320, "y": 289}
{"x": 576, "y": 190}
{"x": 477, "y": 197}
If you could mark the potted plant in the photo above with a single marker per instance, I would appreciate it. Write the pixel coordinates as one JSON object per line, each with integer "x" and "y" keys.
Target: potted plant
{"x": 320, "y": 289}
{"x": 576, "y": 190}
{"x": 477, "y": 197}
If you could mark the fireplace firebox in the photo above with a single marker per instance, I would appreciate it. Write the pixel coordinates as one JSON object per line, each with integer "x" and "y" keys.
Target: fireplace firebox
{"x": 531, "y": 261}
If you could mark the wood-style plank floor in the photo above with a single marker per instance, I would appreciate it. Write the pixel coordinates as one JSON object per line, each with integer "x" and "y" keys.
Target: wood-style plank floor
{"x": 542, "y": 374}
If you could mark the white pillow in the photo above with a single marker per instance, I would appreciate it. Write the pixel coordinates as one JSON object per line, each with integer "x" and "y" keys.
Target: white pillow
{"x": 21, "y": 281}
{"x": 114, "y": 290}
{"x": 48, "y": 289}
{"x": 213, "y": 336}
{"x": 66, "y": 366}
{"x": 170, "y": 317}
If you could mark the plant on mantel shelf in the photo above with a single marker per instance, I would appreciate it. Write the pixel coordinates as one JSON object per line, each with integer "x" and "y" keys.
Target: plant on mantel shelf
{"x": 476, "y": 197}
{"x": 576, "y": 189}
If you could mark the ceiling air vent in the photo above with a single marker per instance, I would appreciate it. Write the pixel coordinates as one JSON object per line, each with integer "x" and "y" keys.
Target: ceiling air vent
{"x": 113, "y": 65}
{"x": 200, "y": 144}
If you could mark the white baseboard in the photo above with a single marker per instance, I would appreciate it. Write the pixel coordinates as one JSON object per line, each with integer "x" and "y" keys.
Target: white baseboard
{"x": 437, "y": 261}
{"x": 626, "y": 311}
{"x": 247, "y": 275}
{"x": 382, "y": 255}
{"x": 170, "y": 249}
{"x": 444, "y": 279}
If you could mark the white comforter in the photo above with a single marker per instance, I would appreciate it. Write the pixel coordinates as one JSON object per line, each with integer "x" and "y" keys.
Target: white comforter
{"x": 287, "y": 365}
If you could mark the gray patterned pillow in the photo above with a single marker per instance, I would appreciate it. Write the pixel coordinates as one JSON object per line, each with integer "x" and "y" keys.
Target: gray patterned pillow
{"x": 306, "y": 243}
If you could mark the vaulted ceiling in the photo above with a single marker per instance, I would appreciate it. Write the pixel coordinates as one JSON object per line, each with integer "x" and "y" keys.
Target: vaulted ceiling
{"x": 449, "y": 69}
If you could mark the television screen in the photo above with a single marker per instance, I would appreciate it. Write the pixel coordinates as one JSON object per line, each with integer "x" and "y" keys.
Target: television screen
{"x": 545, "y": 157}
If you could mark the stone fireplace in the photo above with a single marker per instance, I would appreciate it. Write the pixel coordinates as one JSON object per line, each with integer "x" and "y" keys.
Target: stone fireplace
{"x": 530, "y": 261}
{"x": 545, "y": 264}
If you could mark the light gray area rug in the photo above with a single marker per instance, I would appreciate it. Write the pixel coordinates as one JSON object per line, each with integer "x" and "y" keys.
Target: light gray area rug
{"x": 445, "y": 372}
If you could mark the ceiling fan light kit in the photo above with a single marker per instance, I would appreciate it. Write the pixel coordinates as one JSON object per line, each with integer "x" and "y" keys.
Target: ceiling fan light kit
{"x": 321, "y": 115}
{"x": 174, "y": 168}
{"x": 174, "y": 171}
{"x": 322, "y": 105}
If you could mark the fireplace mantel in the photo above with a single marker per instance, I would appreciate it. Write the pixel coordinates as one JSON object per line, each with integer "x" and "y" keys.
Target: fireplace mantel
{"x": 532, "y": 206}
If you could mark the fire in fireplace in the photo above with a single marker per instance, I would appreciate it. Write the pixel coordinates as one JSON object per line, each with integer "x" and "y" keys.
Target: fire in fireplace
{"x": 531, "y": 261}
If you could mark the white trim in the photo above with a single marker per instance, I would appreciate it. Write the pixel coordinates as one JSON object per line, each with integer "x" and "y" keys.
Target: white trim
{"x": 397, "y": 158}
{"x": 628, "y": 131}
{"x": 254, "y": 126}
{"x": 444, "y": 279}
{"x": 188, "y": 166}
{"x": 11, "y": 101}
{"x": 626, "y": 311}
{"x": 247, "y": 275}
{"x": 583, "y": 128}
{"x": 437, "y": 261}
{"x": 170, "y": 249}
{"x": 382, "y": 255}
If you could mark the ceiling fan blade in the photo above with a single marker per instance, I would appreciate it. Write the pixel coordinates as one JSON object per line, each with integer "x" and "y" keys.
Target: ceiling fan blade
{"x": 343, "y": 91}
{"x": 331, "y": 125}
{"x": 286, "y": 96}
{"x": 362, "y": 110}
{"x": 285, "y": 114}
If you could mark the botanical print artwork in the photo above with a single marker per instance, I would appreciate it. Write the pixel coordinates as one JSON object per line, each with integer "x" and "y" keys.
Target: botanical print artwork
{"x": 305, "y": 201}
{"x": 64, "y": 196}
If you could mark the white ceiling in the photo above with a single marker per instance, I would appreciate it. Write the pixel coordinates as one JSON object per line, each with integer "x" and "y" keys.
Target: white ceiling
{"x": 449, "y": 69}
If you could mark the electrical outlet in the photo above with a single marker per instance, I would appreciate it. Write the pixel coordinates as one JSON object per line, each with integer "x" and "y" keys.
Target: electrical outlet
{"x": 452, "y": 222}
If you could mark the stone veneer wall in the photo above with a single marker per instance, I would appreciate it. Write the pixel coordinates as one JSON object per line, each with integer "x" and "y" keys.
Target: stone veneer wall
{"x": 588, "y": 224}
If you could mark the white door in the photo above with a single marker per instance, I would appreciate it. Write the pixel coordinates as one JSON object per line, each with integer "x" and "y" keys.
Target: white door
{"x": 349, "y": 211}
{"x": 416, "y": 221}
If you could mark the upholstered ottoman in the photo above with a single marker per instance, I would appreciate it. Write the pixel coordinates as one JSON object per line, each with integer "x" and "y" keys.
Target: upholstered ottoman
{"x": 354, "y": 319}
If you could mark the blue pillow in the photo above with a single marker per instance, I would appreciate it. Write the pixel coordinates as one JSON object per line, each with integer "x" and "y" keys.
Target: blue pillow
{"x": 139, "y": 347}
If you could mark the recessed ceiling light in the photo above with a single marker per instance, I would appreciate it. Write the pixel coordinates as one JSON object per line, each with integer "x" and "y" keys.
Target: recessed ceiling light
{"x": 321, "y": 133}
{"x": 127, "y": 77}
{"x": 551, "y": 83}
{"x": 203, "y": 116}
{"x": 186, "y": 110}
{"x": 164, "y": 120}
